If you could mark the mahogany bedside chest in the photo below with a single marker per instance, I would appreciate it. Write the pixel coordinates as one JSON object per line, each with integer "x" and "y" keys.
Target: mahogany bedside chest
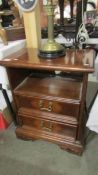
{"x": 50, "y": 96}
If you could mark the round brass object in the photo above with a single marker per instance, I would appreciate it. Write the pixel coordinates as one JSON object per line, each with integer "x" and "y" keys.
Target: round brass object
{"x": 51, "y": 49}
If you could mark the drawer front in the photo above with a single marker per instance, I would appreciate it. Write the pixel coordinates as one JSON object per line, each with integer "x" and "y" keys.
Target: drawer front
{"x": 49, "y": 127}
{"x": 63, "y": 108}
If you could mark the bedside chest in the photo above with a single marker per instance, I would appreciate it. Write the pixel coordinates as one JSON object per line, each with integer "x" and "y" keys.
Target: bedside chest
{"x": 48, "y": 105}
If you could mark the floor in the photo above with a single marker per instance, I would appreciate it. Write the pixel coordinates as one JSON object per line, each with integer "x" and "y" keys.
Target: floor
{"x": 19, "y": 157}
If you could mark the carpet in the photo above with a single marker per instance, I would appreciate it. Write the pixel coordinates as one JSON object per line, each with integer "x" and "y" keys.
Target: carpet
{"x": 19, "y": 157}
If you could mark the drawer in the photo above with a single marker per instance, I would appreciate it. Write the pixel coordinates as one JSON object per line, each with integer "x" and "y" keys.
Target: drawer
{"x": 58, "y": 107}
{"x": 48, "y": 127}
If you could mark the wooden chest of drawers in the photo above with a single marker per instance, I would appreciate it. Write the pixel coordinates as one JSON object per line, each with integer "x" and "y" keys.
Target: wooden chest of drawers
{"x": 48, "y": 106}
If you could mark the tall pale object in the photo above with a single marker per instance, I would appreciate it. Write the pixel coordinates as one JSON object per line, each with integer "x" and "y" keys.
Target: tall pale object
{"x": 32, "y": 27}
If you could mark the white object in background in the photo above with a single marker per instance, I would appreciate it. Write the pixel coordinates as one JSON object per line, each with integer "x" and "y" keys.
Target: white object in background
{"x": 82, "y": 35}
{"x": 66, "y": 12}
{"x": 0, "y": 2}
{"x": 94, "y": 76}
{"x": 3, "y": 104}
{"x": 45, "y": 2}
{"x": 11, "y": 48}
{"x": 61, "y": 40}
{"x": 92, "y": 41}
{"x": 96, "y": 67}
{"x": 3, "y": 78}
{"x": 92, "y": 122}
{"x": 5, "y": 51}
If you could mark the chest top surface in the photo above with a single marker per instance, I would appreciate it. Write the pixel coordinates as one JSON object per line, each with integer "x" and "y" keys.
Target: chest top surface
{"x": 74, "y": 61}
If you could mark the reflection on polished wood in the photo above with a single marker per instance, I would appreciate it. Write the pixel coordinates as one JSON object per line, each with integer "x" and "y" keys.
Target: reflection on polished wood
{"x": 74, "y": 60}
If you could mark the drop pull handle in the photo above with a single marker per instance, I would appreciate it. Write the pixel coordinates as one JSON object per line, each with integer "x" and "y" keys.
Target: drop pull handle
{"x": 49, "y": 128}
{"x": 42, "y": 108}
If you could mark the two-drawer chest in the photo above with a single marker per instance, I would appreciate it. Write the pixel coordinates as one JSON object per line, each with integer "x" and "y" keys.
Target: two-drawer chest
{"x": 50, "y": 96}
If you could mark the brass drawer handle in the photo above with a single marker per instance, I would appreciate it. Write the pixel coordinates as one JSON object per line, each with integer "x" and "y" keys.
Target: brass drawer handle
{"x": 49, "y": 129}
{"x": 42, "y": 108}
